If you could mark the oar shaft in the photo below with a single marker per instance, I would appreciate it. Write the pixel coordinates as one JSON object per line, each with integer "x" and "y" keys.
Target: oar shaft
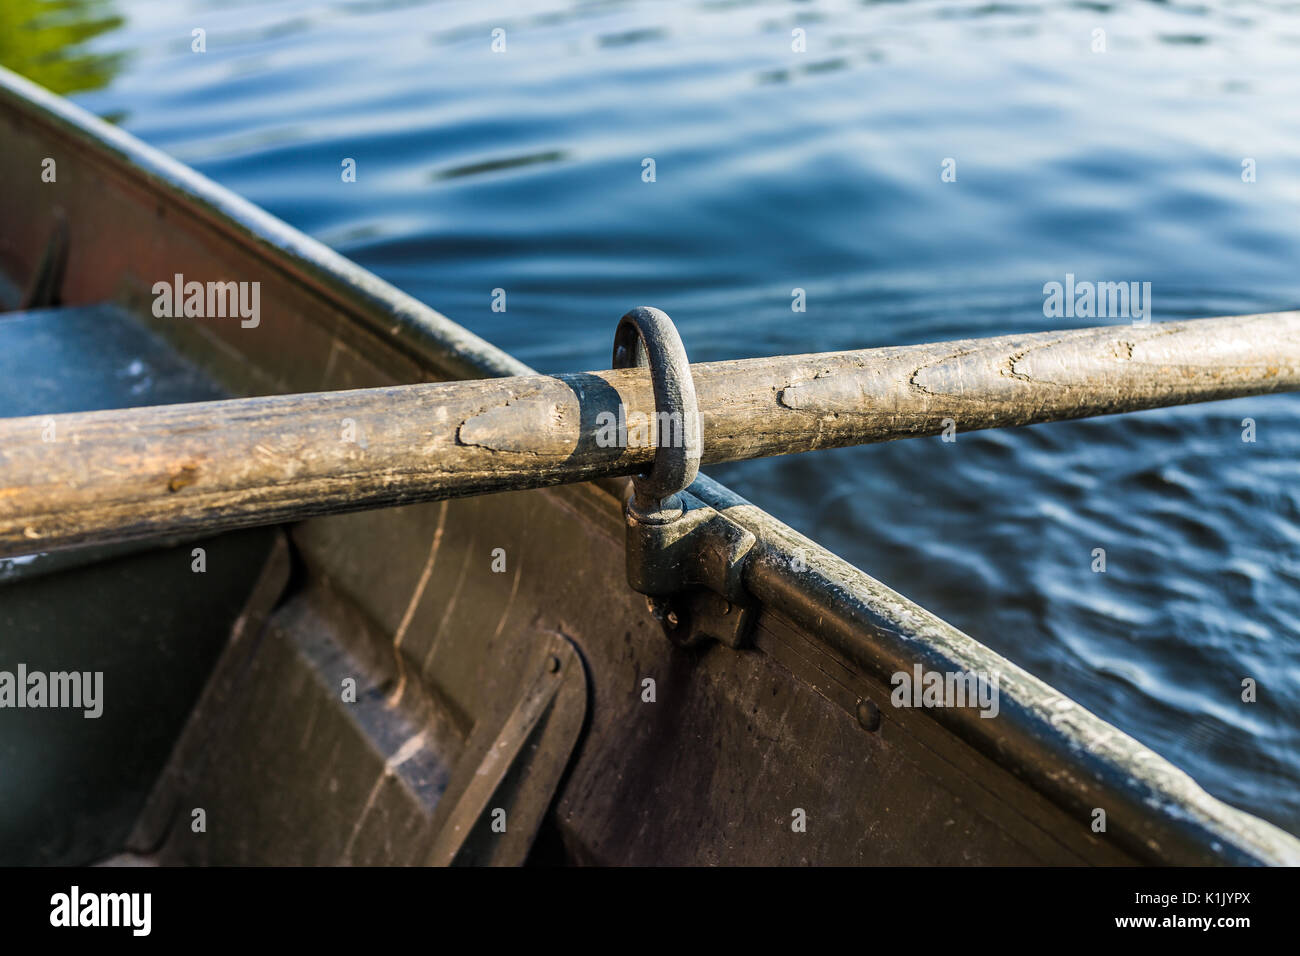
{"x": 93, "y": 477}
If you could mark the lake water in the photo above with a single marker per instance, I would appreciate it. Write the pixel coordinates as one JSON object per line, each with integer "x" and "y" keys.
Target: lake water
{"x": 1117, "y": 155}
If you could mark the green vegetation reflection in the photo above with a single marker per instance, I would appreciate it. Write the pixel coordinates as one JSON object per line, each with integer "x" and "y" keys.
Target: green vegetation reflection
{"x": 44, "y": 41}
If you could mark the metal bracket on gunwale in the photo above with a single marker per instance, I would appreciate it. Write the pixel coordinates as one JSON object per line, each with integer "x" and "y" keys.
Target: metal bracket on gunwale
{"x": 687, "y": 558}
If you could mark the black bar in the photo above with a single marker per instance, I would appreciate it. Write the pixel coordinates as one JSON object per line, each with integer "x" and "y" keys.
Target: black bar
{"x": 923, "y": 908}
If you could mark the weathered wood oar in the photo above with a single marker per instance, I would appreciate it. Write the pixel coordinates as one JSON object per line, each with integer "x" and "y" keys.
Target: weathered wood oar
{"x": 96, "y": 477}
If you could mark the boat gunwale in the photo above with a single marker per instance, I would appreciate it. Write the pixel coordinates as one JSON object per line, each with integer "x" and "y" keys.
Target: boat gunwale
{"x": 1053, "y": 740}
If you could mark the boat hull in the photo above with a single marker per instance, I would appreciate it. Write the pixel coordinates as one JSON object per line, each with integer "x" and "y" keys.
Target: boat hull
{"x": 786, "y": 751}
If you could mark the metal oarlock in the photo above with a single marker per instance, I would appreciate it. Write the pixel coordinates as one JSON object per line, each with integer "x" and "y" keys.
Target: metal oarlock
{"x": 683, "y": 555}
{"x": 646, "y": 337}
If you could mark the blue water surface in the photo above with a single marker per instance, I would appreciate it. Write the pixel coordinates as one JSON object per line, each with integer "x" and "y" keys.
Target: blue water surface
{"x": 1102, "y": 139}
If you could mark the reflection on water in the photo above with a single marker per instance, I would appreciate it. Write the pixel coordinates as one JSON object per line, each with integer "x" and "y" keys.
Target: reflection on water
{"x": 46, "y": 42}
{"x": 820, "y": 170}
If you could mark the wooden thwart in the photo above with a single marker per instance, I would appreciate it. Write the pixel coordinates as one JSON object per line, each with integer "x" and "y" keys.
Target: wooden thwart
{"x": 95, "y": 477}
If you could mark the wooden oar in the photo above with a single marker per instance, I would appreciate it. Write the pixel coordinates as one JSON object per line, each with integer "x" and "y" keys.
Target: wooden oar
{"x": 96, "y": 477}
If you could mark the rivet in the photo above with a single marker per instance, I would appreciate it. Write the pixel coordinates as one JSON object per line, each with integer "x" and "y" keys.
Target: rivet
{"x": 868, "y": 715}
{"x": 553, "y": 664}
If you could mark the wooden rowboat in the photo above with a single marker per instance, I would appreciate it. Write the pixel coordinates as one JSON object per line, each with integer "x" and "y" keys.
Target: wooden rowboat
{"x": 470, "y": 680}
